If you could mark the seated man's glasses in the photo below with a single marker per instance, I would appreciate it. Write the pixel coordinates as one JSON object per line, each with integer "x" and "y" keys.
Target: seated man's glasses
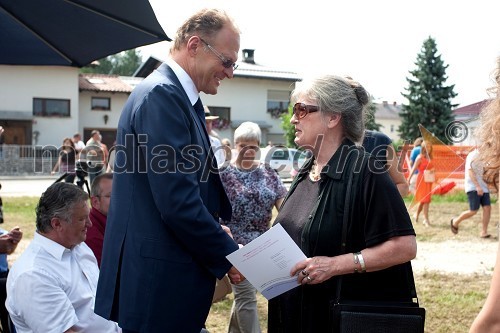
{"x": 300, "y": 110}
{"x": 225, "y": 62}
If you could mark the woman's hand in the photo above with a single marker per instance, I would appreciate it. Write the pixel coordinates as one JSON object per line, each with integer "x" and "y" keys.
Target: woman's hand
{"x": 314, "y": 270}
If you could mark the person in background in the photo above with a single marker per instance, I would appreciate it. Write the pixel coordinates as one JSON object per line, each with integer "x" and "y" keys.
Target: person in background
{"x": 423, "y": 193}
{"x": 488, "y": 132}
{"x": 478, "y": 194}
{"x": 95, "y": 154}
{"x": 214, "y": 138}
{"x": 381, "y": 240}
{"x": 100, "y": 195}
{"x": 51, "y": 286}
{"x": 253, "y": 189}
{"x": 111, "y": 158}
{"x": 8, "y": 244}
{"x": 1, "y": 203}
{"x": 79, "y": 144}
{"x": 228, "y": 152}
{"x": 380, "y": 146}
{"x": 417, "y": 145}
{"x": 66, "y": 161}
{"x": 164, "y": 246}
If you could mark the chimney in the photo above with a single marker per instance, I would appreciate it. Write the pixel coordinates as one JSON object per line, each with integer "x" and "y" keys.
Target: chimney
{"x": 384, "y": 103}
{"x": 248, "y": 56}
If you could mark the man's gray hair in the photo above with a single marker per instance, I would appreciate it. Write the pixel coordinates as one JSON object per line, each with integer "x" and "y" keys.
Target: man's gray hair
{"x": 58, "y": 200}
{"x": 205, "y": 23}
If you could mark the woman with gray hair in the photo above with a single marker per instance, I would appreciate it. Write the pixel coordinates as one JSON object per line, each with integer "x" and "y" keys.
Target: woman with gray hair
{"x": 253, "y": 188}
{"x": 380, "y": 241}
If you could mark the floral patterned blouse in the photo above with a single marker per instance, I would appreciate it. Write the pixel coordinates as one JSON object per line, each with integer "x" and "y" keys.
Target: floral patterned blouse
{"x": 252, "y": 195}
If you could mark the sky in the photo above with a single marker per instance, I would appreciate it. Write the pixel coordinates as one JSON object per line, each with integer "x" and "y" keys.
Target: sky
{"x": 375, "y": 42}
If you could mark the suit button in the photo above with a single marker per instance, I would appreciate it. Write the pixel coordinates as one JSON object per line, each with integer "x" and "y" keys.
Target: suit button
{"x": 216, "y": 215}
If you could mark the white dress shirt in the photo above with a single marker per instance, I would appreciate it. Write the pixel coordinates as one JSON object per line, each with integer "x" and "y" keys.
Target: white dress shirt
{"x": 52, "y": 289}
{"x": 185, "y": 80}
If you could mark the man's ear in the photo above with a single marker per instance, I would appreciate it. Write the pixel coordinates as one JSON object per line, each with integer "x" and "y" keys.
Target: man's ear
{"x": 194, "y": 45}
{"x": 94, "y": 202}
{"x": 56, "y": 222}
{"x": 333, "y": 120}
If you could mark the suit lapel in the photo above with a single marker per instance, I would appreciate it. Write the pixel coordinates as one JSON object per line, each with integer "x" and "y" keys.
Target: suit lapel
{"x": 193, "y": 113}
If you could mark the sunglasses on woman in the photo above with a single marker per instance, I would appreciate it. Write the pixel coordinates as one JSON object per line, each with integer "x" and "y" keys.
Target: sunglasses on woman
{"x": 300, "y": 110}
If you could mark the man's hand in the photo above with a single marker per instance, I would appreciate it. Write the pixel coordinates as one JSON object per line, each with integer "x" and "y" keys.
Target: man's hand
{"x": 235, "y": 276}
{"x": 9, "y": 241}
{"x": 227, "y": 230}
{"x": 15, "y": 235}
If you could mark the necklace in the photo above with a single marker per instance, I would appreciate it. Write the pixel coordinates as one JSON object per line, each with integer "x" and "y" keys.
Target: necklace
{"x": 315, "y": 173}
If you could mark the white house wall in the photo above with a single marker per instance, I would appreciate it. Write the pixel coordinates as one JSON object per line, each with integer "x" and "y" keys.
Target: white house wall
{"x": 247, "y": 99}
{"x": 20, "y": 84}
{"x": 387, "y": 124}
{"x": 95, "y": 119}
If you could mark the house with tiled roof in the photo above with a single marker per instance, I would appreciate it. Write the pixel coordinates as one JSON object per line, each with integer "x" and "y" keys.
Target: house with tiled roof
{"x": 256, "y": 93}
{"x": 101, "y": 101}
{"x": 388, "y": 116}
{"x": 468, "y": 115}
{"x": 42, "y": 105}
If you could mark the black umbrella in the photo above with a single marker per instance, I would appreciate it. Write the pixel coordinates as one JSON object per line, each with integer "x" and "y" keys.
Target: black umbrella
{"x": 73, "y": 32}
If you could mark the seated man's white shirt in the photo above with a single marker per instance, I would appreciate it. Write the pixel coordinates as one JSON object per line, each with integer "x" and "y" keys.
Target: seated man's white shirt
{"x": 52, "y": 289}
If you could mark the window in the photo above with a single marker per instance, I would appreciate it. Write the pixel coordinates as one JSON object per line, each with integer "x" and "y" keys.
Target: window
{"x": 277, "y": 102}
{"x": 224, "y": 117}
{"x": 46, "y": 107}
{"x": 101, "y": 103}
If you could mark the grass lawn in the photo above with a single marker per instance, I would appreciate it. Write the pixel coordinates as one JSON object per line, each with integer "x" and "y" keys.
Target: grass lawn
{"x": 452, "y": 300}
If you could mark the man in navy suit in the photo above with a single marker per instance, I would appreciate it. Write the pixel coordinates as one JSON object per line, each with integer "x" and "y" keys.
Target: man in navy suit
{"x": 164, "y": 246}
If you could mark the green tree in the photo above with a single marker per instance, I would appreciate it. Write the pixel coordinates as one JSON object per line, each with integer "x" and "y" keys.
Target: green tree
{"x": 429, "y": 99}
{"x": 370, "y": 123}
{"x": 123, "y": 63}
{"x": 289, "y": 129}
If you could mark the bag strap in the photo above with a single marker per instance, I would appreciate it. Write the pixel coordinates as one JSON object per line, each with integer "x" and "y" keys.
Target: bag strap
{"x": 345, "y": 223}
{"x": 345, "y": 220}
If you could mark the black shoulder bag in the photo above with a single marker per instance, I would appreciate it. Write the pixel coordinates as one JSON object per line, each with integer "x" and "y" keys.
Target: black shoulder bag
{"x": 373, "y": 317}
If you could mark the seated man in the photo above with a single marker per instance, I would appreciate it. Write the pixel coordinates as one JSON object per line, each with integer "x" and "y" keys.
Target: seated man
{"x": 8, "y": 244}
{"x": 52, "y": 286}
{"x": 100, "y": 195}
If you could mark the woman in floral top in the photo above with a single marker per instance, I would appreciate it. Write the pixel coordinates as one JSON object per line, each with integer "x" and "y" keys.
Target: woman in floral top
{"x": 253, "y": 189}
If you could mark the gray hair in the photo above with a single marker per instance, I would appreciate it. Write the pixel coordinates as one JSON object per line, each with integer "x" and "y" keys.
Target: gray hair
{"x": 58, "y": 200}
{"x": 206, "y": 22}
{"x": 247, "y": 131}
{"x": 335, "y": 94}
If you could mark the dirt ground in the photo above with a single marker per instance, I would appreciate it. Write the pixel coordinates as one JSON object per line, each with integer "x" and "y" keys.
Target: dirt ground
{"x": 454, "y": 256}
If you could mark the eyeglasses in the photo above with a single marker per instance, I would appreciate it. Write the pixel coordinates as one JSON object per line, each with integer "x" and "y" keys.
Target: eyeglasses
{"x": 300, "y": 110}
{"x": 225, "y": 62}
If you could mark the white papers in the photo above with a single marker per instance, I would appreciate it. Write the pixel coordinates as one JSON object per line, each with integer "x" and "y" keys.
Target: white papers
{"x": 267, "y": 261}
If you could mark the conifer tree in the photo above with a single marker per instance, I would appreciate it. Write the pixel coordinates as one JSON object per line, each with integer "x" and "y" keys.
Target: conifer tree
{"x": 123, "y": 63}
{"x": 429, "y": 99}
{"x": 288, "y": 128}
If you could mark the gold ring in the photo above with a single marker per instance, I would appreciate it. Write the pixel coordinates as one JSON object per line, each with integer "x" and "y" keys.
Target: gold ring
{"x": 309, "y": 279}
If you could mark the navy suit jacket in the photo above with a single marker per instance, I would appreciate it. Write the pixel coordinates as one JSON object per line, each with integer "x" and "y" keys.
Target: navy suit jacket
{"x": 163, "y": 246}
